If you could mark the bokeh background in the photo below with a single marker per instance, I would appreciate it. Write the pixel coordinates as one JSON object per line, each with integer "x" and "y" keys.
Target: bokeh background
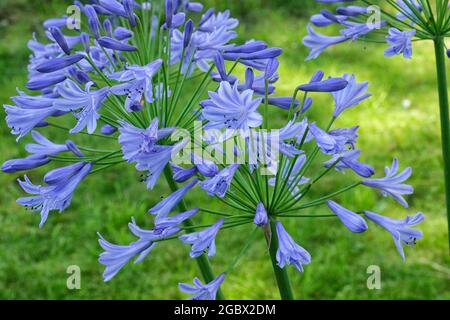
{"x": 400, "y": 120}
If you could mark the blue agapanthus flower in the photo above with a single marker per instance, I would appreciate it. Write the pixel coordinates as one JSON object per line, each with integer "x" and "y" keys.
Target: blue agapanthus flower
{"x": 290, "y": 252}
{"x": 230, "y": 109}
{"x": 400, "y": 43}
{"x": 57, "y": 195}
{"x": 136, "y": 76}
{"x": 86, "y": 102}
{"x": 202, "y": 291}
{"x": 400, "y": 230}
{"x": 392, "y": 185}
{"x": 203, "y": 240}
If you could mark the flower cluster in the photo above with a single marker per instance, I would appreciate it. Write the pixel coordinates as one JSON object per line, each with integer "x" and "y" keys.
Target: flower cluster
{"x": 397, "y": 23}
{"x": 131, "y": 68}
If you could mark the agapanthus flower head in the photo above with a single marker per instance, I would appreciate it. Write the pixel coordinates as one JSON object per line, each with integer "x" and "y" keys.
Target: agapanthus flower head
{"x": 202, "y": 291}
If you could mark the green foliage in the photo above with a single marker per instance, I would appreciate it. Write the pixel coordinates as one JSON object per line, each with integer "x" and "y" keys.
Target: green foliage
{"x": 401, "y": 119}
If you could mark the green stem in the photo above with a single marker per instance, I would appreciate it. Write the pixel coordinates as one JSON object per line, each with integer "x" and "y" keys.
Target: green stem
{"x": 202, "y": 261}
{"x": 284, "y": 284}
{"x": 439, "y": 46}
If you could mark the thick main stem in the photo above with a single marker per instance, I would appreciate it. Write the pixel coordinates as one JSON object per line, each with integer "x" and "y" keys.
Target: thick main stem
{"x": 439, "y": 47}
{"x": 202, "y": 261}
{"x": 284, "y": 284}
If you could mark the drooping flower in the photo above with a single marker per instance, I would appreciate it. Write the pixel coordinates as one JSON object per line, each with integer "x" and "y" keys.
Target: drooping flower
{"x": 230, "y": 109}
{"x": 87, "y": 101}
{"x": 350, "y": 96}
{"x": 290, "y": 252}
{"x": 400, "y": 230}
{"x": 203, "y": 240}
{"x": 353, "y": 221}
{"x": 391, "y": 185}
{"x": 328, "y": 85}
{"x": 58, "y": 194}
{"x": 261, "y": 217}
{"x": 220, "y": 183}
{"x": 202, "y": 291}
{"x": 400, "y": 42}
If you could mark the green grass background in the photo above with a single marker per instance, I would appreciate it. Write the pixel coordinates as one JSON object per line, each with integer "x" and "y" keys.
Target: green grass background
{"x": 400, "y": 120}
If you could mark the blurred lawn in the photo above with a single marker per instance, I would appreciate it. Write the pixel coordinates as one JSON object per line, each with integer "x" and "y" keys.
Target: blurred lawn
{"x": 400, "y": 120}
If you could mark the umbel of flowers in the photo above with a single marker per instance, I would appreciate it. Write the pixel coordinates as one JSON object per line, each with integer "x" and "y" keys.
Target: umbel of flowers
{"x": 135, "y": 73}
{"x": 396, "y": 24}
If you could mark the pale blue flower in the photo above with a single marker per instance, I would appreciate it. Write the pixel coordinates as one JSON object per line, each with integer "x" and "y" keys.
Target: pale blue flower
{"x": 261, "y": 217}
{"x": 391, "y": 185}
{"x": 400, "y": 230}
{"x": 350, "y": 96}
{"x": 163, "y": 208}
{"x": 353, "y": 221}
{"x": 400, "y": 43}
{"x": 58, "y": 194}
{"x": 290, "y": 252}
{"x": 202, "y": 291}
{"x": 318, "y": 42}
{"x": 220, "y": 183}
{"x": 203, "y": 240}
{"x": 137, "y": 82}
{"x": 230, "y": 109}
{"x": 86, "y": 101}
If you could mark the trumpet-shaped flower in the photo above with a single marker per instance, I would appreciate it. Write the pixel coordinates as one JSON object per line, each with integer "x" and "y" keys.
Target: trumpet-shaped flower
{"x": 400, "y": 230}
{"x": 87, "y": 101}
{"x": 220, "y": 183}
{"x": 115, "y": 257}
{"x": 203, "y": 240}
{"x": 318, "y": 42}
{"x": 290, "y": 252}
{"x": 163, "y": 208}
{"x": 58, "y": 194}
{"x": 400, "y": 42}
{"x": 350, "y": 96}
{"x": 392, "y": 185}
{"x": 137, "y": 142}
{"x": 202, "y": 291}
